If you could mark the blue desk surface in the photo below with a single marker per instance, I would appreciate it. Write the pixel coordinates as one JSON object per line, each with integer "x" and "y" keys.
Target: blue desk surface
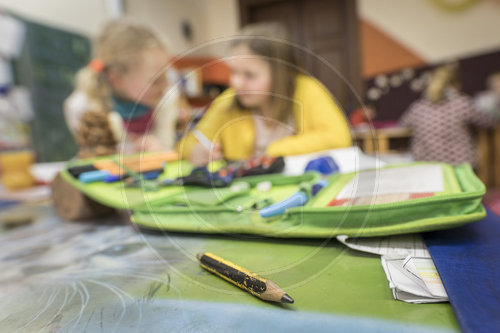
{"x": 468, "y": 261}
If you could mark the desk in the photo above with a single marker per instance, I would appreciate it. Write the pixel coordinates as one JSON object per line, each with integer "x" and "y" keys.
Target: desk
{"x": 62, "y": 276}
{"x": 378, "y": 140}
{"x": 489, "y": 156}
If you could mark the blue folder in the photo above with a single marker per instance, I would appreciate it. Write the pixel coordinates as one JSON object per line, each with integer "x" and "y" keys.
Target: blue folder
{"x": 468, "y": 261}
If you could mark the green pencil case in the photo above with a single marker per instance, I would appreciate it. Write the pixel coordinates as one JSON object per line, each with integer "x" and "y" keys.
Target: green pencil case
{"x": 338, "y": 209}
{"x": 399, "y": 199}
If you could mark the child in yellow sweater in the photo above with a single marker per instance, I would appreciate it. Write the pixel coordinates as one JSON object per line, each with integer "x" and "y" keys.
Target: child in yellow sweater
{"x": 270, "y": 108}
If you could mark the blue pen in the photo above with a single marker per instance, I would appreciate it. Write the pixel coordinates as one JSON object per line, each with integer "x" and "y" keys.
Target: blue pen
{"x": 151, "y": 175}
{"x": 112, "y": 178}
{"x": 318, "y": 187}
{"x": 93, "y": 176}
{"x": 295, "y": 200}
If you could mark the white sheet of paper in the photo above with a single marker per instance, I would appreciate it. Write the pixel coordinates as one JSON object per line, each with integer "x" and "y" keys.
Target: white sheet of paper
{"x": 398, "y": 245}
{"x": 405, "y": 285}
{"x": 408, "y": 266}
{"x": 424, "y": 268}
{"x": 410, "y": 179}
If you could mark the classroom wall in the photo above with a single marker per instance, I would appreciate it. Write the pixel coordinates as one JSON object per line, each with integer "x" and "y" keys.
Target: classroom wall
{"x": 209, "y": 19}
{"x": 82, "y": 16}
{"x": 419, "y": 30}
{"x": 166, "y": 16}
{"x": 431, "y": 33}
{"x": 223, "y": 20}
{"x": 382, "y": 54}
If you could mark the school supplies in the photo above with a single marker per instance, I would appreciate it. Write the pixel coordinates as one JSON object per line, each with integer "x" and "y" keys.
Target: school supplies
{"x": 120, "y": 168}
{"x": 93, "y": 176}
{"x": 263, "y": 165}
{"x": 297, "y": 199}
{"x": 318, "y": 186}
{"x": 256, "y": 285}
{"x": 324, "y": 165}
{"x": 139, "y": 163}
{"x": 202, "y": 177}
{"x": 113, "y": 178}
{"x": 76, "y": 171}
{"x": 144, "y": 180}
{"x": 454, "y": 199}
{"x": 223, "y": 177}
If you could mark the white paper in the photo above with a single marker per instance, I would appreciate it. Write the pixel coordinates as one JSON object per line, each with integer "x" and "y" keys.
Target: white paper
{"x": 402, "y": 180}
{"x": 407, "y": 264}
{"x": 424, "y": 268}
{"x": 46, "y": 172}
{"x": 398, "y": 245}
{"x": 348, "y": 160}
{"x": 406, "y": 286}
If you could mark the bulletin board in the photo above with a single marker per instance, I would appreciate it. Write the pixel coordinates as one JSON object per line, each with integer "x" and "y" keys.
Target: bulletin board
{"x": 46, "y": 66}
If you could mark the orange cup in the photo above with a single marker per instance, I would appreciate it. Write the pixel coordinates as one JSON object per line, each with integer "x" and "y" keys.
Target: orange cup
{"x": 15, "y": 169}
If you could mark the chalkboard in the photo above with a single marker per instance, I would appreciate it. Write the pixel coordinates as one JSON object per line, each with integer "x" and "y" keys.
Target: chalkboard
{"x": 46, "y": 66}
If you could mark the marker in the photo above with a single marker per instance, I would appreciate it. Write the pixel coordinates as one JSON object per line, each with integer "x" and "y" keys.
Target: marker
{"x": 113, "y": 178}
{"x": 93, "y": 176}
{"x": 151, "y": 175}
{"x": 318, "y": 187}
{"x": 256, "y": 285}
{"x": 295, "y": 200}
{"x": 76, "y": 171}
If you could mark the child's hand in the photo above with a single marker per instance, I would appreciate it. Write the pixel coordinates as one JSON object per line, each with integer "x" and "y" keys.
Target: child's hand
{"x": 202, "y": 156}
{"x": 147, "y": 142}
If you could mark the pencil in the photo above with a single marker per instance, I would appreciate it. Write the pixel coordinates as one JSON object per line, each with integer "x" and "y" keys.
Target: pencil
{"x": 205, "y": 142}
{"x": 256, "y": 285}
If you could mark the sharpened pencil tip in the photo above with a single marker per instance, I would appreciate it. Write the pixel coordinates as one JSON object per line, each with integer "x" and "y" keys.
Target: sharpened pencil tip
{"x": 286, "y": 299}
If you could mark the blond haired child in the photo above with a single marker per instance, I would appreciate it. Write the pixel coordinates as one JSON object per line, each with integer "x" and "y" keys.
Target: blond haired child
{"x": 126, "y": 80}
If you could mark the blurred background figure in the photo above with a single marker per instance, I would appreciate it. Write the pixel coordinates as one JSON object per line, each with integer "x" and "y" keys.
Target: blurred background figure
{"x": 489, "y": 101}
{"x": 440, "y": 120}
{"x": 118, "y": 96}
{"x": 364, "y": 116}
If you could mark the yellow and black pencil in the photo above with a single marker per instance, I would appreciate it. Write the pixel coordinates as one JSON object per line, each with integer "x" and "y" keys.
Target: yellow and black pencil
{"x": 256, "y": 285}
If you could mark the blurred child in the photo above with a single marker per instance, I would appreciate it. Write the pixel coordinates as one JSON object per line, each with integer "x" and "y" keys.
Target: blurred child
{"x": 489, "y": 101}
{"x": 440, "y": 121}
{"x": 125, "y": 83}
{"x": 270, "y": 108}
{"x": 362, "y": 117}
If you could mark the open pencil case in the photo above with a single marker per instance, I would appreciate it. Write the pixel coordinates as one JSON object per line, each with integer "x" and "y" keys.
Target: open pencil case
{"x": 396, "y": 199}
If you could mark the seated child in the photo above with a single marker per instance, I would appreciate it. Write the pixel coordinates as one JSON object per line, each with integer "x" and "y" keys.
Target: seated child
{"x": 271, "y": 108}
{"x": 125, "y": 82}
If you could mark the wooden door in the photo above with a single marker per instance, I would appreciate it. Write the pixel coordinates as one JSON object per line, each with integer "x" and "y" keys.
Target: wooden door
{"x": 327, "y": 33}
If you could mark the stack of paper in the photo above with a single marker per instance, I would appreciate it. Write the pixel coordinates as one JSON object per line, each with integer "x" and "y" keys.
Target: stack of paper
{"x": 407, "y": 264}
